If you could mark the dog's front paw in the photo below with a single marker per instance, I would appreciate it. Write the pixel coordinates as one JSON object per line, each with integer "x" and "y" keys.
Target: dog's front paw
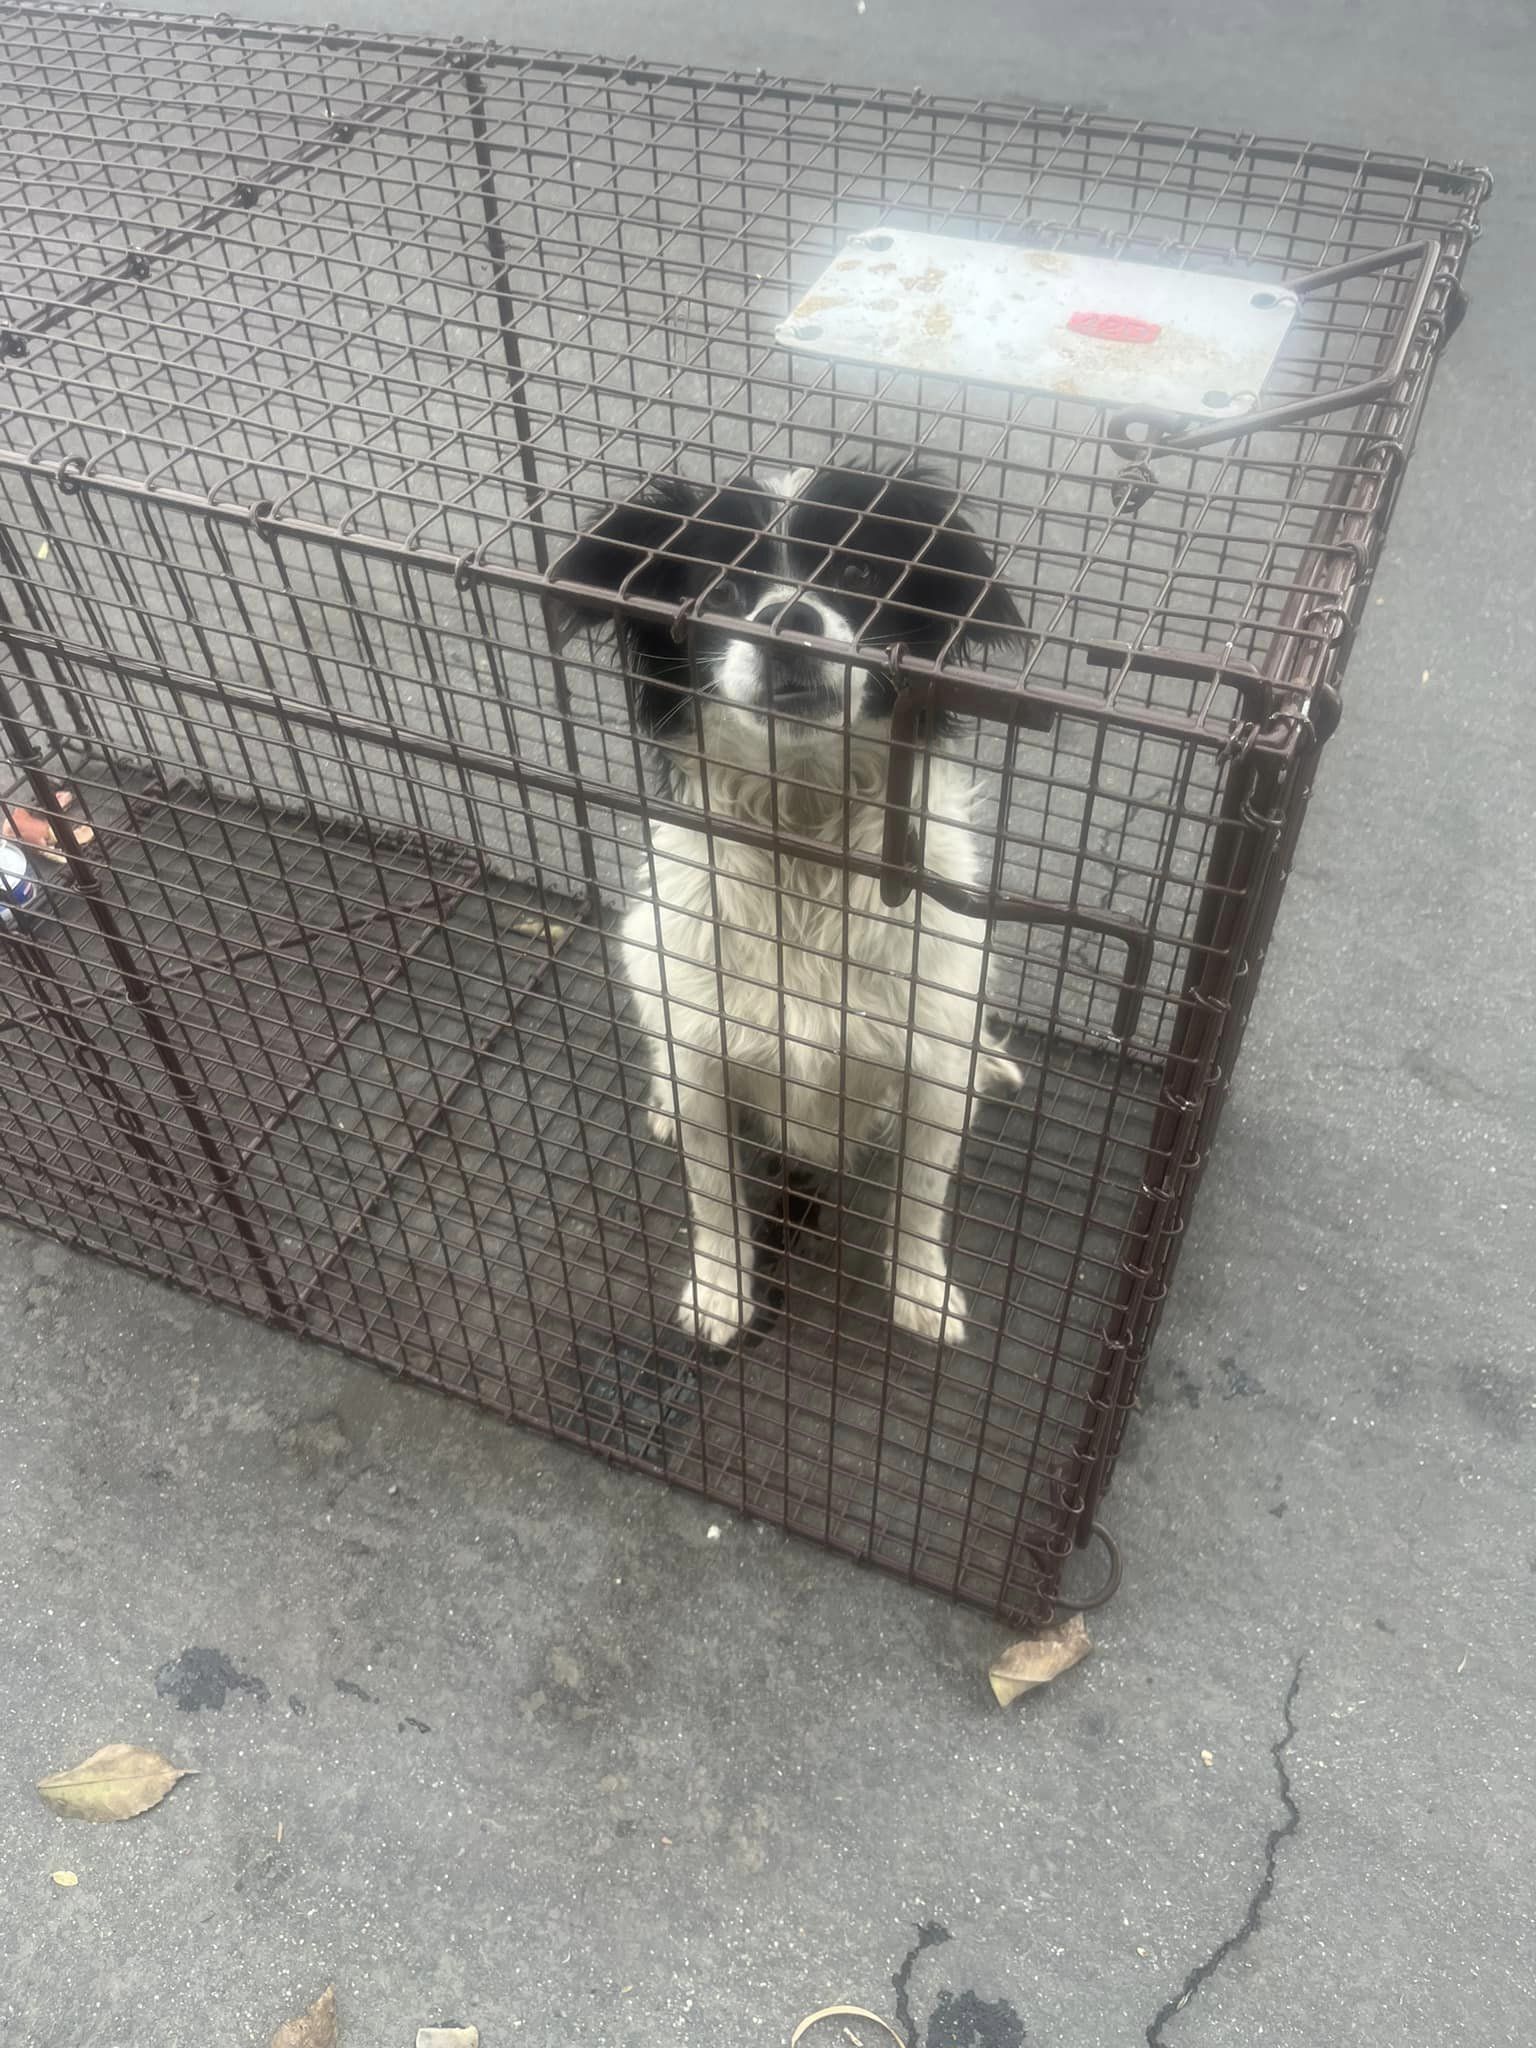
{"x": 715, "y": 1315}
{"x": 930, "y": 1305}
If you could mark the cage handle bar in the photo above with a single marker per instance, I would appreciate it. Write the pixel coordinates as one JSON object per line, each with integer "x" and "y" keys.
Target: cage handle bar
{"x": 901, "y": 855}
{"x": 1162, "y": 428}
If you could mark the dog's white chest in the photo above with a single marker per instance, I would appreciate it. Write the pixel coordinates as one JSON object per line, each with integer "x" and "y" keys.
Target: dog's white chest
{"x": 800, "y": 969}
{"x": 794, "y": 970}
{"x": 834, "y": 980}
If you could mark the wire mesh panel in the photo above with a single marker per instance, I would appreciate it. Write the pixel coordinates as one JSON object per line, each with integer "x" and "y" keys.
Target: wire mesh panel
{"x": 697, "y": 894}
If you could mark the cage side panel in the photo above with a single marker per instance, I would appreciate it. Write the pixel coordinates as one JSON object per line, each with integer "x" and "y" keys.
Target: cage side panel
{"x": 1327, "y": 604}
{"x": 414, "y": 1048}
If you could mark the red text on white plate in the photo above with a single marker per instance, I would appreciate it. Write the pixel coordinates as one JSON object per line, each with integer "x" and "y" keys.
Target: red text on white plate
{"x": 1114, "y": 327}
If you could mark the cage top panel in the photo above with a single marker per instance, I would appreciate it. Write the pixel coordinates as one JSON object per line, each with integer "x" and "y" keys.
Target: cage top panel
{"x": 457, "y": 299}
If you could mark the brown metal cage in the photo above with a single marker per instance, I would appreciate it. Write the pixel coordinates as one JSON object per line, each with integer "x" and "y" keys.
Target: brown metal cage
{"x": 316, "y": 352}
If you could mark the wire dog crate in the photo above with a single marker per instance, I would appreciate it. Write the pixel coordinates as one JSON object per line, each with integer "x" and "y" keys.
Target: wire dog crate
{"x": 317, "y": 351}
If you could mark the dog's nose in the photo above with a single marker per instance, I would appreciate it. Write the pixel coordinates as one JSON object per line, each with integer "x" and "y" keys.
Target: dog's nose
{"x": 795, "y": 616}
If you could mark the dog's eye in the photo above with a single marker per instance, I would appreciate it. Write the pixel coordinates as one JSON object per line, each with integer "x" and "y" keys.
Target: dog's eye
{"x": 855, "y": 575}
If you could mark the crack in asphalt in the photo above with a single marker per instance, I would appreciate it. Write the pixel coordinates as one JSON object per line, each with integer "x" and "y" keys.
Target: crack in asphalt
{"x": 1249, "y": 1924}
{"x": 928, "y": 1936}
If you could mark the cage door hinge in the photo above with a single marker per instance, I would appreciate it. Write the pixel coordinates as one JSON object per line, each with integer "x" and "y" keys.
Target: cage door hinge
{"x": 1453, "y": 307}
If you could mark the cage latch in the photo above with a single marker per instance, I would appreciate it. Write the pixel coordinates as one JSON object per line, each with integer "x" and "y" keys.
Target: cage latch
{"x": 1139, "y": 433}
{"x": 901, "y": 850}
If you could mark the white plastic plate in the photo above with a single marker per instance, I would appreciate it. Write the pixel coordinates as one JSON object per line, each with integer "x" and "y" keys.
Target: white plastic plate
{"x": 1123, "y": 334}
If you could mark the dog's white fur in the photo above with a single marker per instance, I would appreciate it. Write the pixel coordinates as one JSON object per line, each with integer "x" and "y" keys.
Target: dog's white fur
{"x": 783, "y": 1001}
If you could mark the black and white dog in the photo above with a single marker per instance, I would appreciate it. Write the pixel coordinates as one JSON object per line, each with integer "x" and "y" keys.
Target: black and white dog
{"x": 784, "y": 1005}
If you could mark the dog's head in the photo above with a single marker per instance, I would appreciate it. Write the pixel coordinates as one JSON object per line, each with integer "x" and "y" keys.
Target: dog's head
{"x": 862, "y": 559}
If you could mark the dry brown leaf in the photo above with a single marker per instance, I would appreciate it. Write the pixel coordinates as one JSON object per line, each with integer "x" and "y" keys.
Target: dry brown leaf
{"x": 114, "y": 1784}
{"x": 447, "y": 2037}
{"x": 313, "y": 2029}
{"x": 1036, "y": 1660}
{"x": 843, "y": 2012}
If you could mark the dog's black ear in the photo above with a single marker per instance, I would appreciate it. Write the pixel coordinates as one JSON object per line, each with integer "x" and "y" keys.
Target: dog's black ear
{"x": 957, "y": 572}
{"x": 625, "y": 550}
{"x": 907, "y": 514}
{"x": 669, "y": 544}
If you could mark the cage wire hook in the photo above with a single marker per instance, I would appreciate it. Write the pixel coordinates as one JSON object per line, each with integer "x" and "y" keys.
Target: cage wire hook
{"x": 1307, "y": 729}
{"x": 263, "y": 516}
{"x": 1182, "y": 1105}
{"x": 1215, "y": 1006}
{"x": 1137, "y": 480}
{"x": 1240, "y": 742}
{"x": 1261, "y": 821}
{"x": 1386, "y": 452}
{"x": 1447, "y": 308}
{"x": 1131, "y": 489}
{"x": 1335, "y": 619}
{"x": 681, "y": 620}
{"x": 1485, "y": 184}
